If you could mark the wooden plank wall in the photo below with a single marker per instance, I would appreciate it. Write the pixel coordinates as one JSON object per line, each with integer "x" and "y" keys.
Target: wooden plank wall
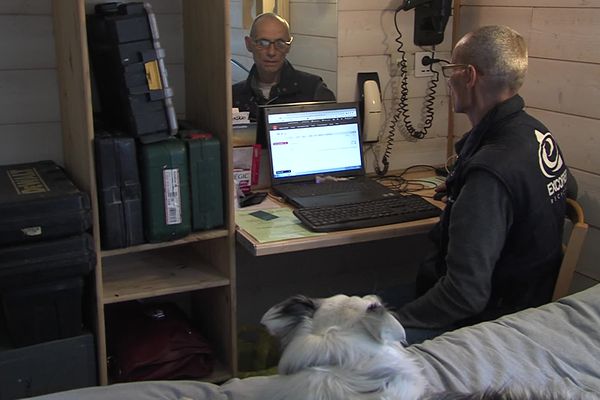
{"x": 30, "y": 125}
{"x": 367, "y": 42}
{"x": 562, "y": 90}
{"x": 29, "y": 109}
{"x": 313, "y": 26}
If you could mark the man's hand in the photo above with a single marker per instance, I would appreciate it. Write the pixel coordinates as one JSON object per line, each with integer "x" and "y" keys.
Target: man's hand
{"x": 440, "y": 193}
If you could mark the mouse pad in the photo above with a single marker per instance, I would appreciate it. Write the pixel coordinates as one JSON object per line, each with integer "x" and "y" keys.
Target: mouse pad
{"x": 265, "y": 216}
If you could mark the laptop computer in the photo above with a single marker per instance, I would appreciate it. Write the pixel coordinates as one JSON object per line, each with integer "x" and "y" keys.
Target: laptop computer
{"x": 315, "y": 154}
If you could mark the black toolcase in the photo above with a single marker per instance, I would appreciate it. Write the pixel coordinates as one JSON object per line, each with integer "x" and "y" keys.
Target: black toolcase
{"x": 49, "y": 260}
{"x": 38, "y": 202}
{"x": 48, "y": 367}
{"x": 41, "y": 288}
{"x": 119, "y": 191}
{"x": 129, "y": 70}
{"x": 45, "y": 252}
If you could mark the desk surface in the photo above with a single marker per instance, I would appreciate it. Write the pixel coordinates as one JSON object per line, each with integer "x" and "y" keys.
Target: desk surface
{"x": 340, "y": 238}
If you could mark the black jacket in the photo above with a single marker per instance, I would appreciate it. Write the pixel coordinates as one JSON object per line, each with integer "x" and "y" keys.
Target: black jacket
{"x": 515, "y": 151}
{"x": 294, "y": 86}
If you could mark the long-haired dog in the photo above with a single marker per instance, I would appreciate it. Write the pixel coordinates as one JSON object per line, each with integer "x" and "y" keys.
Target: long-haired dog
{"x": 340, "y": 347}
{"x": 351, "y": 348}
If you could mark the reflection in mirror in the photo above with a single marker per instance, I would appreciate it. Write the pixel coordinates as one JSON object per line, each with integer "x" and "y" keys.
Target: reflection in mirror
{"x": 313, "y": 26}
{"x": 279, "y": 7}
{"x": 239, "y": 72}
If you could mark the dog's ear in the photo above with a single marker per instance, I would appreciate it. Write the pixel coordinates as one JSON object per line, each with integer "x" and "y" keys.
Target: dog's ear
{"x": 282, "y": 319}
{"x": 382, "y": 325}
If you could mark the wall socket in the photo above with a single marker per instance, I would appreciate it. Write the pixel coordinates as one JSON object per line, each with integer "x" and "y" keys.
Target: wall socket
{"x": 420, "y": 69}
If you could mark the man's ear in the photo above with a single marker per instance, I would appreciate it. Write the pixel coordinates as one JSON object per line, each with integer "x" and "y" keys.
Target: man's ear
{"x": 473, "y": 76}
{"x": 248, "y": 41}
{"x": 282, "y": 319}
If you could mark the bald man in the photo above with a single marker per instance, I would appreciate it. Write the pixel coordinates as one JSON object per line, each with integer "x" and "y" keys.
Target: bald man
{"x": 272, "y": 79}
{"x": 498, "y": 242}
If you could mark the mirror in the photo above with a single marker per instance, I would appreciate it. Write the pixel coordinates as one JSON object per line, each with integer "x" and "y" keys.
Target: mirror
{"x": 313, "y": 26}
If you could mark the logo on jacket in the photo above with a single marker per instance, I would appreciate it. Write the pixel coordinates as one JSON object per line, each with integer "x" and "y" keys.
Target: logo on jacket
{"x": 551, "y": 163}
{"x": 550, "y": 160}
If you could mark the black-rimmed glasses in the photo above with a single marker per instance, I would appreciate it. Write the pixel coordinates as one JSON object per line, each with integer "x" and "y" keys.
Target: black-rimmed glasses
{"x": 280, "y": 44}
{"x": 448, "y": 68}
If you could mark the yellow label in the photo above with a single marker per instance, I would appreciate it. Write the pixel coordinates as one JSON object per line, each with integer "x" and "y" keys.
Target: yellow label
{"x": 153, "y": 75}
{"x": 27, "y": 181}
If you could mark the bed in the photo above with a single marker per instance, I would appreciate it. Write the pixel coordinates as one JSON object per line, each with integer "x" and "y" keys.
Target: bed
{"x": 555, "y": 345}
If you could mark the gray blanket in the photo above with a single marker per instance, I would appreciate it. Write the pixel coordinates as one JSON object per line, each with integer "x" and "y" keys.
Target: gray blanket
{"x": 555, "y": 345}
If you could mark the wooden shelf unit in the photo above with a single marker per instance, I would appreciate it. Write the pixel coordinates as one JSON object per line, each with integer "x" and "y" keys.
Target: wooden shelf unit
{"x": 200, "y": 266}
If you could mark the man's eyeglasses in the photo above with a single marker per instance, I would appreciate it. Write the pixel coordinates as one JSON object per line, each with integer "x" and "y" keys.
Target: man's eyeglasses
{"x": 447, "y": 69}
{"x": 280, "y": 44}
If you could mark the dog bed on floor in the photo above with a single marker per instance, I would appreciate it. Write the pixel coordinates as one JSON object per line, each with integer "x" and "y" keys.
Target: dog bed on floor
{"x": 555, "y": 344}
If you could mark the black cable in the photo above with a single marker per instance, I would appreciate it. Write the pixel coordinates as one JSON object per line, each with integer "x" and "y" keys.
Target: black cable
{"x": 402, "y": 109}
{"x": 400, "y": 184}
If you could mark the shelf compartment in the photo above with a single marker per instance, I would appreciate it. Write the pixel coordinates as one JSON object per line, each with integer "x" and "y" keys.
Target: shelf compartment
{"x": 194, "y": 237}
{"x": 157, "y": 272}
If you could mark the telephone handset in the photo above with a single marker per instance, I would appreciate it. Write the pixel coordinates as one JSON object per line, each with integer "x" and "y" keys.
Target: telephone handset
{"x": 373, "y": 113}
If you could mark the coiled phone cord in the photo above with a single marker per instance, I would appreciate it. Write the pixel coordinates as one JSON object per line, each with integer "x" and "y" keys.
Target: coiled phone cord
{"x": 401, "y": 111}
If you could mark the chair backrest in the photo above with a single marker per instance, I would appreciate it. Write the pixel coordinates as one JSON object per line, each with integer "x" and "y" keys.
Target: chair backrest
{"x": 571, "y": 249}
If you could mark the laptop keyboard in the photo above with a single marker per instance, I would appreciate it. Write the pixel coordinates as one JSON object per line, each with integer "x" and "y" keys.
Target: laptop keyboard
{"x": 384, "y": 211}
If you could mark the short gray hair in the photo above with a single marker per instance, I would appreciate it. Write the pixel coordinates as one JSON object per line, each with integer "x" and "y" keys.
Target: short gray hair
{"x": 498, "y": 52}
{"x": 270, "y": 15}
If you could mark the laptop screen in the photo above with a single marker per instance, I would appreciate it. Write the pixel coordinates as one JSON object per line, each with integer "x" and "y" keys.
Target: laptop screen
{"x": 306, "y": 140}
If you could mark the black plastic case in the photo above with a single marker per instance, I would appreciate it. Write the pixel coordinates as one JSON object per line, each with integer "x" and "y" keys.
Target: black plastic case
{"x": 41, "y": 288}
{"x": 129, "y": 69}
{"x": 38, "y": 202}
{"x": 48, "y": 367}
{"x": 119, "y": 191}
{"x": 46, "y": 261}
{"x": 44, "y": 312}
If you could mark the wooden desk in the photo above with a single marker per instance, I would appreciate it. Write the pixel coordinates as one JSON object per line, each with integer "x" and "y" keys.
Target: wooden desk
{"x": 342, "y": 237}
{"x": 334, "y": 238}
{"x": 356, "y": 261}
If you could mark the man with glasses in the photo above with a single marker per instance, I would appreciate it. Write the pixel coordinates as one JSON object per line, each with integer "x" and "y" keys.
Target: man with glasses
{"x": 498, "y": 242}
{"x": 272, "y": 79}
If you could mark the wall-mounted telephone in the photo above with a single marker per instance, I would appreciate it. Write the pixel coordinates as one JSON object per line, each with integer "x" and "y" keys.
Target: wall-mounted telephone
{"x": 431, "y": 17}
{"x": 370, "y": 106}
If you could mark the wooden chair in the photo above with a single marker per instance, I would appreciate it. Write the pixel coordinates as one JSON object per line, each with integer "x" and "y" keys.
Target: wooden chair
{"x": 571, "y": 249}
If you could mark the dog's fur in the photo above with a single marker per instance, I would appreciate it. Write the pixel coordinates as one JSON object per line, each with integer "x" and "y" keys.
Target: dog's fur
{"x": 340, "y": 347}
{"x": 351, "y": 348}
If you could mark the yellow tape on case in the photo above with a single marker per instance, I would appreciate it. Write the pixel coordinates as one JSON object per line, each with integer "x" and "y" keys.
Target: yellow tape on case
{"x": 153, "y": 75}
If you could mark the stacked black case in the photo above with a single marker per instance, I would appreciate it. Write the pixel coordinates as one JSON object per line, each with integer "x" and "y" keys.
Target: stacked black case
{"x": 129, "y": 69}
{"x": 119, "y": 191}
{"x": 39, "y": 202}
{"x": 45, "y": 252}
